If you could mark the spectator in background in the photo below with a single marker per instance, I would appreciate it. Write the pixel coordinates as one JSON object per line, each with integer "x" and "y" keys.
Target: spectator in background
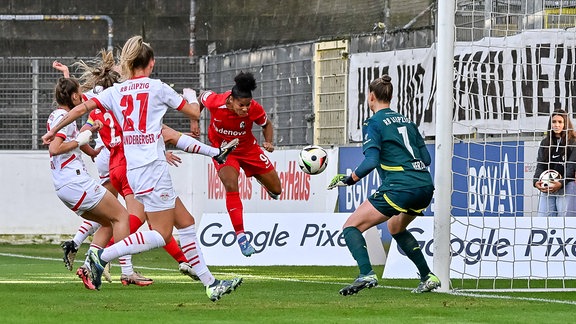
{"x": 555, "y": 150}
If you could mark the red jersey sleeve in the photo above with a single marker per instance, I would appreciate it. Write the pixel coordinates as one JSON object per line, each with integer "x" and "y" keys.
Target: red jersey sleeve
{"x": 208, "y": 99}
{"x": 257, "y": 113}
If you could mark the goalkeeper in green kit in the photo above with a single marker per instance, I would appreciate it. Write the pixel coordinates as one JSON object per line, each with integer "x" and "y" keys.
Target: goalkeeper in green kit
{"x": 393, "y": 145}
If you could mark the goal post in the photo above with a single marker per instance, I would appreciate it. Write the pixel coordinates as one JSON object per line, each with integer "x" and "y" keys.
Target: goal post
{"x": 511, "y": 64}
{"x": 443, "y": 144}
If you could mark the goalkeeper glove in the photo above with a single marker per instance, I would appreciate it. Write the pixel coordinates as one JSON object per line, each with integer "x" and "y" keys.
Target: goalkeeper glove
{"x": 341, "y": 180}
{"x": 84, "y": 137}
{"x": 189, "y": 95}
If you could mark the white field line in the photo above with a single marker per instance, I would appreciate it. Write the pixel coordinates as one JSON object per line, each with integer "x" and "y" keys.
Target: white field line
{"x": 486, "y": 294}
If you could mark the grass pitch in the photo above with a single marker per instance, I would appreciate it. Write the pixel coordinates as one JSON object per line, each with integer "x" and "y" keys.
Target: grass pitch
{"x": 36, "y": 288}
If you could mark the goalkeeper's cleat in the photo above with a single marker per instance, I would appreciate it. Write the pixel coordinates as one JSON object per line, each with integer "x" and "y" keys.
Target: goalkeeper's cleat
{"x": 430, "y": 282}
{"x": 70, "y": 251}
{"x": 85, "y": 274}
{"x": 135, "y": 279}
{"x": 106, "y": 273}
{"x": 96, "y": 267}
{"x": 363, "y": 281}
{"x": 337, "y": 181}
{"x": 222, "y": 287}
{"x": 186, "y": 269}
{"x": 245, "y": 246}
{"x": 225, "y": 149}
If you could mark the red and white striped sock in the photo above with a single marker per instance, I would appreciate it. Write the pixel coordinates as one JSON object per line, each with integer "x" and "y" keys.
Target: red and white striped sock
{"x": 191, "y": 145}
{"x": 194, "y": 255}
{"x": 126, "y": 264}
{"x": 134, "y": 243}
{"x": 86, "y": 229}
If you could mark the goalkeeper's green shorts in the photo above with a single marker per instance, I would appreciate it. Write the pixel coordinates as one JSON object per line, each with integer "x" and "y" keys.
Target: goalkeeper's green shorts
{"x": 410, "y": 201}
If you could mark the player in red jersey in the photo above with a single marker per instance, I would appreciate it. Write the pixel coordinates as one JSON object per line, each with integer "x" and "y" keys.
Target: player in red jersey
{"x": 232, "y": 115}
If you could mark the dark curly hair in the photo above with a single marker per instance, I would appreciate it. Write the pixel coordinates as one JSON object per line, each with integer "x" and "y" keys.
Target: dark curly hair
{"x": 245, "y": 84}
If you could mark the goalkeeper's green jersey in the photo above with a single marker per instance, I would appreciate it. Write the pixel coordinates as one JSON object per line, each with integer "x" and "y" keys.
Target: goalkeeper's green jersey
{"x": 404, "y": 159}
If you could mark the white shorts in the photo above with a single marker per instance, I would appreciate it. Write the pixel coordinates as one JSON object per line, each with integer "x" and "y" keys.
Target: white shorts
{"x": 152, "y": 186}
{"x": 102, "y": 162}
{"x": 82, "y": 195}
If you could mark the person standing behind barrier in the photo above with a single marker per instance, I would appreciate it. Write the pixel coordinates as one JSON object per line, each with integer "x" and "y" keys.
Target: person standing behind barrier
{"x": 570, "y": 183}
{"x": 139, "y": 104}
{"x": 232, "y": 115}
{"x": 553, "y": 153}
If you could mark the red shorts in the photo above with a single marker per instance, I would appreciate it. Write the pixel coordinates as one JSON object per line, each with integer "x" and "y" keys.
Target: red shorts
{"x": 253, "y": 161}
{"x": 119, "y": 180}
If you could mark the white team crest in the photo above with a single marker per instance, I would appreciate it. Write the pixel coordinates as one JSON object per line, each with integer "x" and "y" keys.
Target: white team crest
{"x": 242, "y": 124}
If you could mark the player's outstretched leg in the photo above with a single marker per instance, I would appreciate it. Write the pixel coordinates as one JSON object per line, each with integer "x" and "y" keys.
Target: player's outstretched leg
{"x": 363, "y": 281}
{"x": 222, "y": 287}
{"x": 428, "y": 283}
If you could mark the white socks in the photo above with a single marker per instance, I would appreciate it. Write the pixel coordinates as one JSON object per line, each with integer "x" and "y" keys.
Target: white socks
{"x": 126, "y": 264}
{"x": 134, "y": 243}
{"x": 86, "y": 229}
{"x": 191, "y": 145}
{"x": 194, "y": 255}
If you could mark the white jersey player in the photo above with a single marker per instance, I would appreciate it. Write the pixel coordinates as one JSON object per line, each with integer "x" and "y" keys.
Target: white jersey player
{"x": 77, "y": 190}
{"x": 139, "y": 105}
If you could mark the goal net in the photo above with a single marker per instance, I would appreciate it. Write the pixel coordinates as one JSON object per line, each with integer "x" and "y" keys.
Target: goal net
{"x": 514, "y": 63}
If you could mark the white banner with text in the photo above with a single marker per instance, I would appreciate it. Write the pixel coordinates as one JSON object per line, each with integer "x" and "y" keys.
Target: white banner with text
{"x": 283, "y": 239}
{"x": 490, "y": 247}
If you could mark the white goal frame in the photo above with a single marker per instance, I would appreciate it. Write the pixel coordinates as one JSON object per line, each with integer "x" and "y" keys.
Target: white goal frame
{"x": 445, "y": 105}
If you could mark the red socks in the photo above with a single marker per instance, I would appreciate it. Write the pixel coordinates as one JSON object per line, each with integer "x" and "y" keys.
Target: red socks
{"x": 235, "y": 211}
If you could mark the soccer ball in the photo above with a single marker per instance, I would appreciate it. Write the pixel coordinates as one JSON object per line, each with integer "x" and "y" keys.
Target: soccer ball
{"x": 548, "y": 177}
{"x": 313, "y": 159}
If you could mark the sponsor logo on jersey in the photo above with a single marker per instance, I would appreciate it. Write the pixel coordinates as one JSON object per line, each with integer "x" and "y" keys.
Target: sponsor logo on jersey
{"x": 229, "y": 132}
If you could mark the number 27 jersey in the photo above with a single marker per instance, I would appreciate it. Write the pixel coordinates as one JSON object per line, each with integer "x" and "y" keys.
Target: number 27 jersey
{"x": 139, "y": 106}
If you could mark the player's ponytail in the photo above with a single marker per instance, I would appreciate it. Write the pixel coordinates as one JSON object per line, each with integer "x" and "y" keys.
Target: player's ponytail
{"x": 65, "y": 88}
{"x": 135, "y": 54}
{"x": 382, "y": 88}
{"x": 101, "y": 72}
{"x": 245, "y": 84}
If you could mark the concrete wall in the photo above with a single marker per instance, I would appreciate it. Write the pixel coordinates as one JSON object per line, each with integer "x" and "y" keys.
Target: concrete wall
{"x": 29, "y": 205}
{"x": 226, "y": 25}
{"x": 164, "y": 23}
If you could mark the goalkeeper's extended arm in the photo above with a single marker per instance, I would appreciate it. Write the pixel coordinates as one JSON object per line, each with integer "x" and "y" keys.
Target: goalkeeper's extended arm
{"x": 370, "y": 162}
{"x": 341, "y": 180}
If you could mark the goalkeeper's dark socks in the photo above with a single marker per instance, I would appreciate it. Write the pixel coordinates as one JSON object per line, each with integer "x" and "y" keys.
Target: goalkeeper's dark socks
{"x": 357, "y": 246}
{"x": 411, "y": 248}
